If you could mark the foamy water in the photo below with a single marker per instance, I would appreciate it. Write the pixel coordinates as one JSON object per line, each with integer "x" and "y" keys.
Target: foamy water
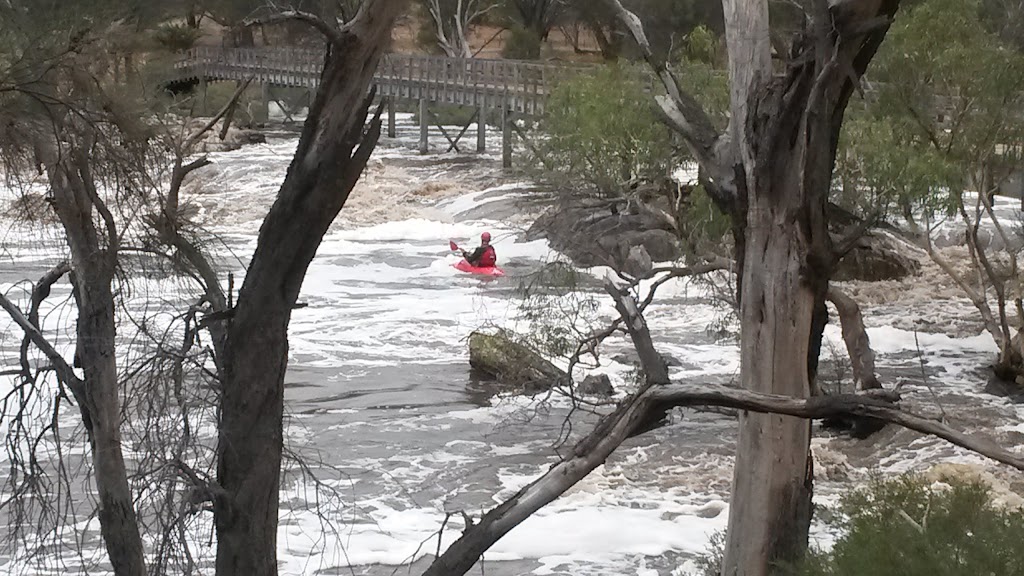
{"x": 381, "y": 401}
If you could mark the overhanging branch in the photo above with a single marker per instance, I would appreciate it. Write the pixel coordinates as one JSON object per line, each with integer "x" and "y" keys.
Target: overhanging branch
{"x": 332, "y": 34}
{"x": 682, "y": 112}
{"x": 64, "y": 371}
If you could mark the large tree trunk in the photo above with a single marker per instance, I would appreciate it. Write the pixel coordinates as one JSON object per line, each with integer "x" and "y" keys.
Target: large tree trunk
{"x": 330, "y": 156}
{"x": 770, "y": 509}
{"x": 786, "y": 129}
{"x": 93, "y": 265}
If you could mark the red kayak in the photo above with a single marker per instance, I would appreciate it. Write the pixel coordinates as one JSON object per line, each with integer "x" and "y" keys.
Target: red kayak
{"x": 464, "y": 266}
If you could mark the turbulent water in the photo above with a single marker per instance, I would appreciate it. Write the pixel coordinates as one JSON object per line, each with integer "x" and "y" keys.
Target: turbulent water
{"x": 380, "y": 397}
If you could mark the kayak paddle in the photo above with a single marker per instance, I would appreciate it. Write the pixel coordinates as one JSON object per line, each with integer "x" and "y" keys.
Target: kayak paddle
{"x": 453, "y": 246}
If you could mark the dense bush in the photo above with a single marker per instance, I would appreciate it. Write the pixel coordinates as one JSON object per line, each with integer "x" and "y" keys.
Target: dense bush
{"x": 176, "y": 37}
{"x": 908, "y": 526}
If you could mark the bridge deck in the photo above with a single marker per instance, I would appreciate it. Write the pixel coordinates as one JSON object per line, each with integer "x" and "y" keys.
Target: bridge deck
{"x": 515, "y": 85}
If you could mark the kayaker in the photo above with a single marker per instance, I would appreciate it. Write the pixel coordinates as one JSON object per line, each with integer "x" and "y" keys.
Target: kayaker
{"x": 484, "y": 256}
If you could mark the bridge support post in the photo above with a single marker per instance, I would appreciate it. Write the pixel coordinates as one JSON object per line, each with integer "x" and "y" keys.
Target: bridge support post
{"x": 391, "y": 117}
{"x": 506, "y": 137}
{"x": 481, "y": 129}
{"x": 262, "y": 112}
{"x": 424, "y": 126}
{"x": 203, "y": 106}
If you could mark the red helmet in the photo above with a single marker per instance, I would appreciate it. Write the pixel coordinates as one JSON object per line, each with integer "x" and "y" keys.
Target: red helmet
{"x": 486, "y": 237}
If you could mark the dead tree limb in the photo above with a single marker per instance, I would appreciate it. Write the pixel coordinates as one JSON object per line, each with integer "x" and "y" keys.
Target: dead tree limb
{"x": 858, "y": 345}
{"x": 224, "y": 111}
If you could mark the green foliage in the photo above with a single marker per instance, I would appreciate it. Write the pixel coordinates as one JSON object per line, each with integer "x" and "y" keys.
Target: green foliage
{"x": 603, "y": 133}
{"x": 521, "y": 44}
{"x": 906, "y": 527}
{"x": 702, "y": 225}
{"x": 948, "y": 108}
{"x": 176, "y": 37}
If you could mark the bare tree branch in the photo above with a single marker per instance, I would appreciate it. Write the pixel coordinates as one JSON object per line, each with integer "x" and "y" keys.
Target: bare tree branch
{"x": 333, "y": 34}
{"x": 856, "y": 337}
{"x": 683, "y": 113}
{"x": 64, "y": 371}
{"x": 194, "y": 138}
{"x": 39, "y": 293}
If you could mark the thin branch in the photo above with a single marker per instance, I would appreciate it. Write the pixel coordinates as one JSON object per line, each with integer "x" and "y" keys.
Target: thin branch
{"x": 39, "y": 293}
{"x": 333, "y": 35}
{"x": 194, "y": 138}
{"x": 64, "y": 371}
{"x": 681, "y": 110}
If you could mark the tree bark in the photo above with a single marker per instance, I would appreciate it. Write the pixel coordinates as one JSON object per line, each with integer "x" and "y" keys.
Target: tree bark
{"x": 786, "y": 129}
{"x": 93, "y": 258}
{"x": 330, "y": 156}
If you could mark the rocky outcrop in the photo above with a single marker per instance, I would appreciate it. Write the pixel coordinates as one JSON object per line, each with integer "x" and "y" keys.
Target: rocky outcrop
{"x": 603, "y": 233}
{"x": 878, "y": 256}
{"x": 233, "y": 140}
{"x": 514, "y": 365}
{"x": 629, "y": 236}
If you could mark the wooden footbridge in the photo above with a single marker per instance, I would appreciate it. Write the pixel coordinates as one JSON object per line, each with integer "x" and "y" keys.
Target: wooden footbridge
{"x": 498, "y": 90}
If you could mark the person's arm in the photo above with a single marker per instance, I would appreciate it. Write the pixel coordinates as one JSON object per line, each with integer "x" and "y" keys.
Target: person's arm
{"x": 474, "y": 257}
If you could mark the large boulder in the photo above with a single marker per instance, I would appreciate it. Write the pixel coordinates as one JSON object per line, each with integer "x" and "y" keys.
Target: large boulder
{"x": 513, "y": 364}
{"x": 878, "y": 256}
{"x": 604, "y": 233}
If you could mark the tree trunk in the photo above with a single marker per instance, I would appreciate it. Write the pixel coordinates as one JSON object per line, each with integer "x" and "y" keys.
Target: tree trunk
{"x": 330, "y": 156}
{"x": 786, "y": 129}
{"x": 93, "y": 266}
{"x": 770, "y": 504}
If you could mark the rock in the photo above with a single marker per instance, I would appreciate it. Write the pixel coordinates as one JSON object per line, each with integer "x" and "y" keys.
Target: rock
{"x": 638, "y": 263}
{"x": 233, "y": 140}
{"x": 876, "y": 257}
{"x": 596, "y": 385}
{"x": 594, "y": 233}
{"x": 1003, "y": 388}
{"x": 513, "y": 364}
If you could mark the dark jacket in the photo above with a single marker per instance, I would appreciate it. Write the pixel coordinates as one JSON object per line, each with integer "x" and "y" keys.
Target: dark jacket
{"x": 482, "y": 256}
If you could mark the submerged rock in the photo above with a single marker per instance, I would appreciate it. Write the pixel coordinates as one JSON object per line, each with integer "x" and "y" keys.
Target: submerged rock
{"x": 513, "y": 364}
{"x": 596, "y": 385}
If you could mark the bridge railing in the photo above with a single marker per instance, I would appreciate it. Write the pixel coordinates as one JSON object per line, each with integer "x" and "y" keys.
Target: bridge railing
{"x": 519, "y": 86}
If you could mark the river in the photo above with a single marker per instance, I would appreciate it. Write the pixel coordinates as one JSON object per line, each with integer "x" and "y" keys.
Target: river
{"x": 381, "y": 402}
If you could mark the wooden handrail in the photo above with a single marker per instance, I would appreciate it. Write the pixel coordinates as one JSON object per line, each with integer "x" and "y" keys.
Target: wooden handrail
{"x": 520, "y": 85}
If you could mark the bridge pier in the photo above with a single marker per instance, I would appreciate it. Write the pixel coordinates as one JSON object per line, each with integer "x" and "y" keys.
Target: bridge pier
{"x": 424, "y": 126}
{"x": 391, "y": 117}
{"x": 481, "y": 129}
{"x": 203, "y": 106}
{"x": 261, "y": 113}
{"x": 506, "y": 137}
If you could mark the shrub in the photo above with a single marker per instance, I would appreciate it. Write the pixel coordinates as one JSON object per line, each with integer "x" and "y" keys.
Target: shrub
{"x": 521, "y": 44}
{"x": 176, "y": 37}
{"x": 907, "y": 526}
